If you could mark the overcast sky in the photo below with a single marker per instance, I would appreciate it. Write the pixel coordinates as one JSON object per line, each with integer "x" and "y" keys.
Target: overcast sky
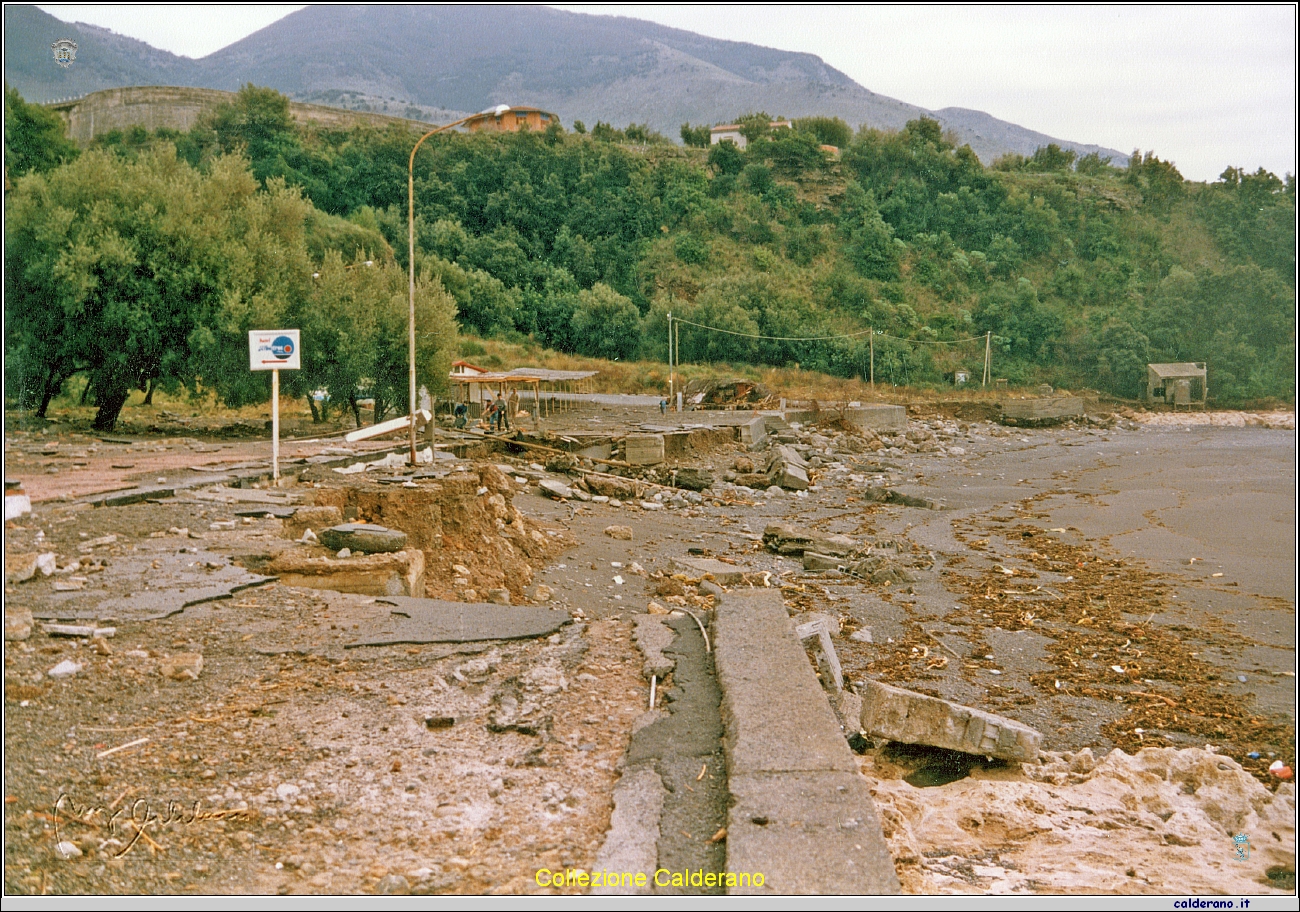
{"x": 1203, "y": 86}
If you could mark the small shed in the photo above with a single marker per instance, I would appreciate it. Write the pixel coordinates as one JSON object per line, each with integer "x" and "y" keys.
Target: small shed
{"x": 1181, "y": 383}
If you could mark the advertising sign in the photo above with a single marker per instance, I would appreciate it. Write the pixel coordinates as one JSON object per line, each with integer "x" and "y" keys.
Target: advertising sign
{"x": 274, "y": 349}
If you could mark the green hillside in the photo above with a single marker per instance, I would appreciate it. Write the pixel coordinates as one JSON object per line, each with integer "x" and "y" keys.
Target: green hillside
{"x": 585, "y": 240}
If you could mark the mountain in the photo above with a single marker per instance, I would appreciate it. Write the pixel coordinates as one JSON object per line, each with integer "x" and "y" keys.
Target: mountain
{"x": 398, "y": 59}
{"x": 105, "y": 60}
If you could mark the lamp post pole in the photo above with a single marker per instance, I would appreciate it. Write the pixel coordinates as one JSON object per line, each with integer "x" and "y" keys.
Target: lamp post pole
{"x": 410, "y": 191}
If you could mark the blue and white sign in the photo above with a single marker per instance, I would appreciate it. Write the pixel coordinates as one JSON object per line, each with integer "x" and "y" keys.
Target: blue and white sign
{"x": 274, "y": 349}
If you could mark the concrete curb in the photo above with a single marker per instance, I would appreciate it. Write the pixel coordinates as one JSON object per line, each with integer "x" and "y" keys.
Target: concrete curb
{"x": 801, "y": 813}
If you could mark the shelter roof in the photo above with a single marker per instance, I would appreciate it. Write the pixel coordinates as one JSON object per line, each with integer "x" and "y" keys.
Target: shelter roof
{"x": 1178, "y": 369}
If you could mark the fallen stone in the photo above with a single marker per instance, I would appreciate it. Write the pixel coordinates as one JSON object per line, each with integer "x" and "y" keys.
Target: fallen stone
{"x": 184, "y": 666}
{"x": 393, "y": 885}
{"x": 67, "y": 850}
{"x": 697, "y": 567}
{"x": 556, "y": 490}
{"x": 877, "y": 568}
{"x": 19, "y": 568}
{"x": 652, "y": 636}
{"x": 611, "y": 487}
{"x": 313, "y": 518}
{"x": 782, "y": 538}
{"x": 18, "y": 623}
{"x": 78, "y": 630}
{"x": 543, "y": 593}
{"x": 421, "y": 620}
{"x": 70, "y": 585}
{"x": 812, "y": 561}
{"x": 913, "y": 718}
{"x": 792, "y": 477}
{"x": 363, "y": 537}
{"x": 222, "y": 525}
{"x": 344, "y": 553}
{"x": 400, "y": 573}
{"x": 692, "y": 479}
{"x": 892, "y": 496}
{"x": 499, "y": 596}
{"x": 65, "y": 669}
{"x": 622, "y": 533}
{"x": 709, "y": 588}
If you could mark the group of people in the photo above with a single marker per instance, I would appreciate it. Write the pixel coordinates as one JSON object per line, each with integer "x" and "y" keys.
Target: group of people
{"x": 496, "y": 413}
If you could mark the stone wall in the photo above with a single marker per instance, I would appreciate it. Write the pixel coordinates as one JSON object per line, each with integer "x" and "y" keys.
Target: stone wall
{"x": 177, "y": 108}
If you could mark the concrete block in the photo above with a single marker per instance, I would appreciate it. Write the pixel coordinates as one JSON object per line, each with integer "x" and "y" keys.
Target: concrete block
{"x": 913, "y": 718}
{"x": 753, "y": 432}
{"x": 697, "y": 567}
{"x": 878, "y": 417}
{"x": 400, "y": 573}
{"x": 792, "y": 477}
{"x": 814, "y": 832}
{"x": 1047, "y": 410}
{"x": 643, "y": 449}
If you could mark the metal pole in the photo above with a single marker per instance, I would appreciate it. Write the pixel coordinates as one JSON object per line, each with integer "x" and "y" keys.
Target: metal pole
{"x": 873, "y": 358}
{"x": 275, "y": 426}
{"x": 410, "y": 226}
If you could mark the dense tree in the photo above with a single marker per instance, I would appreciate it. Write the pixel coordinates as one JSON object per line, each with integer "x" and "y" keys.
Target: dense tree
{"x": 696, "y": 136}
{"x": 606, "y": 324}
{"x": 35, "y": 138}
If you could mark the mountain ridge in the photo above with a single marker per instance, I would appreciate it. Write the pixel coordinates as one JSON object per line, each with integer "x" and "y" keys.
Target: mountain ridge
{"x": 398, "y": 60}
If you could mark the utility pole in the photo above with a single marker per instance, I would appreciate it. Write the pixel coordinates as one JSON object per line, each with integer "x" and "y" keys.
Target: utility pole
{"x": 670, "y": 357}
{"x": 988, "y": 345}
{"x": 873, "y": 359}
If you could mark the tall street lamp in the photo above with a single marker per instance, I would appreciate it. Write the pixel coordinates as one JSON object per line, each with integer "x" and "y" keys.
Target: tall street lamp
{"x": 410, "y": 189}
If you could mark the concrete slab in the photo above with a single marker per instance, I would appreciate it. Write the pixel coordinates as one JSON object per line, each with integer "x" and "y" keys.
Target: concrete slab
{"x": 913, "y": 718}
{"x": 801, "y": 813}
{"x": 813, "y": 832}
{"x": 421, "y": 620}
{"x": 152, "y": 604}
{"x": 131, "y": 496}
{"x": 776, "y": 715}
{"x": 632, "y": 842}
{"x": 652, "y": 635}
{"x": 696, "y": 567}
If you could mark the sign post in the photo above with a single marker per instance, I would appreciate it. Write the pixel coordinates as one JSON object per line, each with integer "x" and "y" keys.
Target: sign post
{"x": 274, "y": 350}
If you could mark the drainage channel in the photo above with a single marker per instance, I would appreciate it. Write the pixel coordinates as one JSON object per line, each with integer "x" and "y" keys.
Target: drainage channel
{"x": 672, "y": 800}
